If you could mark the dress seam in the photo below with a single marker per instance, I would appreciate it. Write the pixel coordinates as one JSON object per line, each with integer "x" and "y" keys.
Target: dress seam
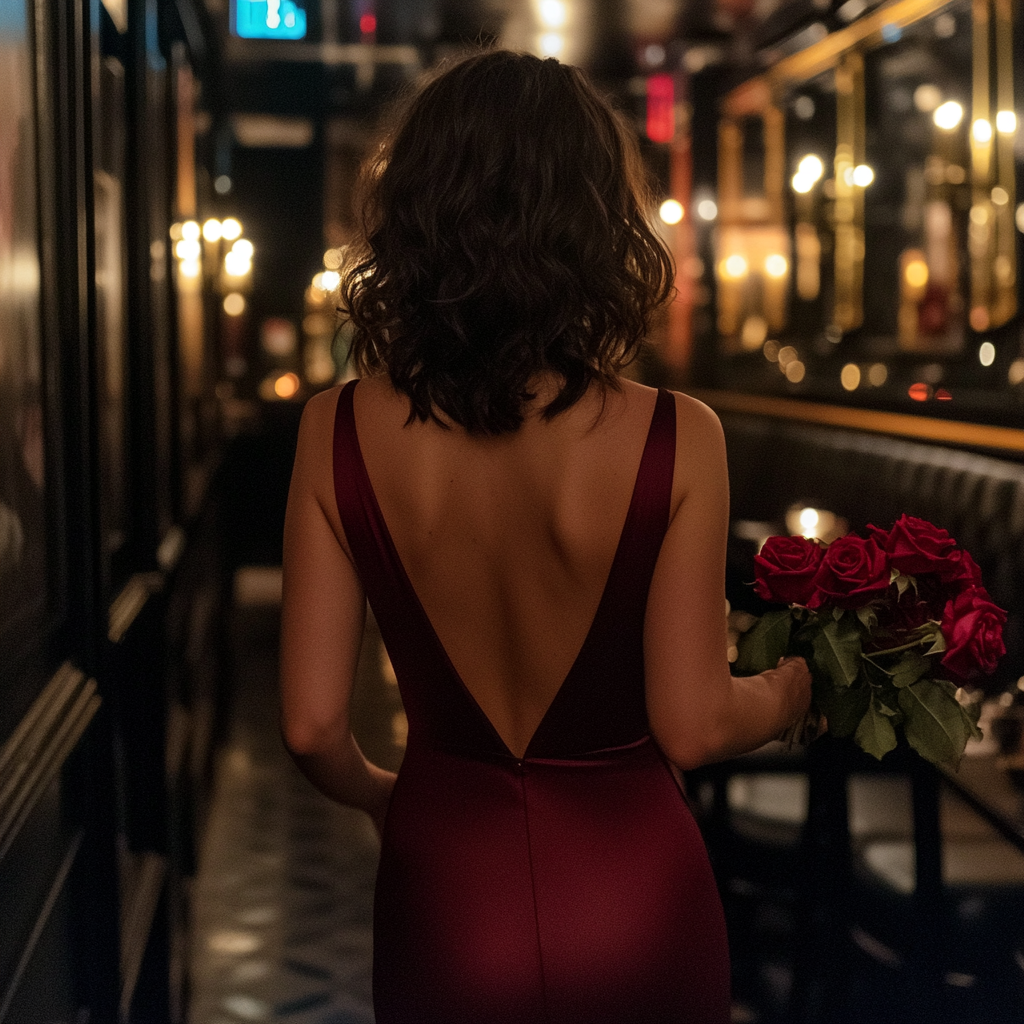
{"x": 533, "y": 890}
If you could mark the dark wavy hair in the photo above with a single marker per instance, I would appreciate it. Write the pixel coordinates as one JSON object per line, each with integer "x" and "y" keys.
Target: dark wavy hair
{"x": 503, "y": 235}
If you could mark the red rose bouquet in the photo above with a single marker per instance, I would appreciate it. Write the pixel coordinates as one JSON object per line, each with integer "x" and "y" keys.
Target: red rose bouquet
{"x": 891, "y": 626}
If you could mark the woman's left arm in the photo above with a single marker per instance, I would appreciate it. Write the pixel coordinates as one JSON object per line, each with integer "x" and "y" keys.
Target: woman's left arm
{"x": 323, "y": 614}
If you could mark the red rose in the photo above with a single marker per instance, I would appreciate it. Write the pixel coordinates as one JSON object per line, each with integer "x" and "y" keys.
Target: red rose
{"x": 973, "y": 629}
{"x": 785, "y": 569}
{"x": 915, "y": 546}
{"x": 852, "y": 572}
{"x": 963, "y": 573}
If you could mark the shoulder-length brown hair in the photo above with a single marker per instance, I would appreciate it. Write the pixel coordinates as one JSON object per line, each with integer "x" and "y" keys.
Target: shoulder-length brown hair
{"x": 503, "y": 235}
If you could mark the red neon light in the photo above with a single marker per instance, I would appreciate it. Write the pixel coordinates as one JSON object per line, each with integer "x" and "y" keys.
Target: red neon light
{"x": 368, "y": 24}
{"x": 661, "y": 113}
{"x": 919, "y": 392}
{"x": 943, "y": 395}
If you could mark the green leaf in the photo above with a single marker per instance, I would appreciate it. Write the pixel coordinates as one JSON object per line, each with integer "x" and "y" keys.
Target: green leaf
{"x": 837, "y": 646}
{"x": 761, "y": 646}
{"x": 902, "y": 582}
{"x": 838, "y": 613}
{"x": 909, "y": 669}
{"x": 868, "y": 617}
{"x": 844, "y": 708}
{"x": 937, "y": 726}
{"x": 938, "y": 641}
{"x": 875, "y": 733}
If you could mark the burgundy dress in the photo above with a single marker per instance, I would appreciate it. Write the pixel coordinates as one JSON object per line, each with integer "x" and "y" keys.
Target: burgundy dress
{"x": 570, "y": 885}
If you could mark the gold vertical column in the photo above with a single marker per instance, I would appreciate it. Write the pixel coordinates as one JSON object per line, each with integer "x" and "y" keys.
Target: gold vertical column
{"x": 981, "y": 233}
{"x": 776, "y": 286}
{"x": 1003, "y": 195}
{"x": 849, "y": 207}
{"x": 730, "y": 197}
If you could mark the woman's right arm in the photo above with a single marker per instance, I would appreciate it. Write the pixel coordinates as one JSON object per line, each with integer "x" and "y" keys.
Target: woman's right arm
{"x": 699, "y": 712}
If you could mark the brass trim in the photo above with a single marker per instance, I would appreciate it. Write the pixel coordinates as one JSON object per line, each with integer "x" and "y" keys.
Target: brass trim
{"x": 956, "y": 432}
{"x": 42, "y": 919}
{"x": 146, "y": 876}
{"x": 125, "y": 608}
{"x": 39, "y": 746}
{"x": 826, "y": 54}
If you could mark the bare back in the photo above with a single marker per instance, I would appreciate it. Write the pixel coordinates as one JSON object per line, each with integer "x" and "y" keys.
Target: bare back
{"x": 507, "y": 541}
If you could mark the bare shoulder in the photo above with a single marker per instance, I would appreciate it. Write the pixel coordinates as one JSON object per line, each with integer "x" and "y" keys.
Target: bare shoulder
{"x": 700, "y": 449}
{"x": 313, "y": 474}
{"x": 318, "y": 415}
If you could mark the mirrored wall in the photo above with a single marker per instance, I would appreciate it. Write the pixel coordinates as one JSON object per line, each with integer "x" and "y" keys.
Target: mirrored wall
{"x": 869, "y": 235}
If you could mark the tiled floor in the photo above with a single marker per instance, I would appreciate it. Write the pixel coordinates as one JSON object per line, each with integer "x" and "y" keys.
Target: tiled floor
{"x": 284, "y": 896}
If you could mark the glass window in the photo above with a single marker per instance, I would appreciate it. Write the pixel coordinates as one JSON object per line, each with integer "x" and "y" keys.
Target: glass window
{"x": 23, "y": 563}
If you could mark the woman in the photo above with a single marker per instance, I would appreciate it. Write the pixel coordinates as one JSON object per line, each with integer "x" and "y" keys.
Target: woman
{"x": 542, "y": 543}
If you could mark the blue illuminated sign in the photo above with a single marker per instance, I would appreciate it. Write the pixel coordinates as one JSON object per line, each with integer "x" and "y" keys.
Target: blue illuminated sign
{"x": 268, "y": 19}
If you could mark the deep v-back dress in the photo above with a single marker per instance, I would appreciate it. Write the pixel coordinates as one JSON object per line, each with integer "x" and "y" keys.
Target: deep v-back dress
{"x": 569, "y": 885}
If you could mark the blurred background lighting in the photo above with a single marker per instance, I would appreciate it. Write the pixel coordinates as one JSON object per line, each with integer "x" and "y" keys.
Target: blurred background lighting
{"x": 187, "y": 249}
{"x": 1019, "y": 218}
{"x": 771, "y": 351}
{"x": 862, "y": 175}
{"x": 332, "y": 259}
{"x": 1000, "y": 196}
{"x": 230, "y": 229}
{"x": 786, "y": 355}
{"x": 552, "y": 13}
{"x": 948, "y": 115}
{"x": 804, "y": 107}
{"x": 849, "y": 377}
{"x": 175, "y": 231}
{"x": 1015, "y": 374}
{"x": 286, "y": 385}
{"x": 1006, "y": 122}
{"x": 222, "y": 185}
{"x": 811, "y": 167}
{"x": 808, "y": 521}
{"x": 318, "y": 282}
{"x": 237, "y": 264}
{"x": 776, "y": 265}
{"x": 982, "y": 130}
{"x": 986, "y": 353}
{"x": 330, "y": 279}
{"x": 654, "y": 55}
{"x": 551, "y": 44}
{"x": 707, "y": 209}
{"x": 927, "y": 97}
{"x": 211, "y": 230}
{"x": 802, "y": 184}
{"x": 661, "y": 111}
{"x": 735, "y": 266}
{"x": 189, "y": 268}
{"x": 878, "y": 374}
{"x": 234, "y": 304}
{"x": 795, "y": 371}
{"x": 916, "y": 273}
{"x": 920, "y": 392}
{"x": 368, "y": 24}
{"x": 190, "y": 230}
{"x": 244, "y": 248}
{"x": 671, "y": 211}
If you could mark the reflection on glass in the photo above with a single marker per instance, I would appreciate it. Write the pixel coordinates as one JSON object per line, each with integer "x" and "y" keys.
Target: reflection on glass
{"x": 22, "y": 526}
{"x": 810, "y": 128}
{"x": 919, "y": 212}
{"x": 110, "y": 301}
{"x": 753, "y": 247}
